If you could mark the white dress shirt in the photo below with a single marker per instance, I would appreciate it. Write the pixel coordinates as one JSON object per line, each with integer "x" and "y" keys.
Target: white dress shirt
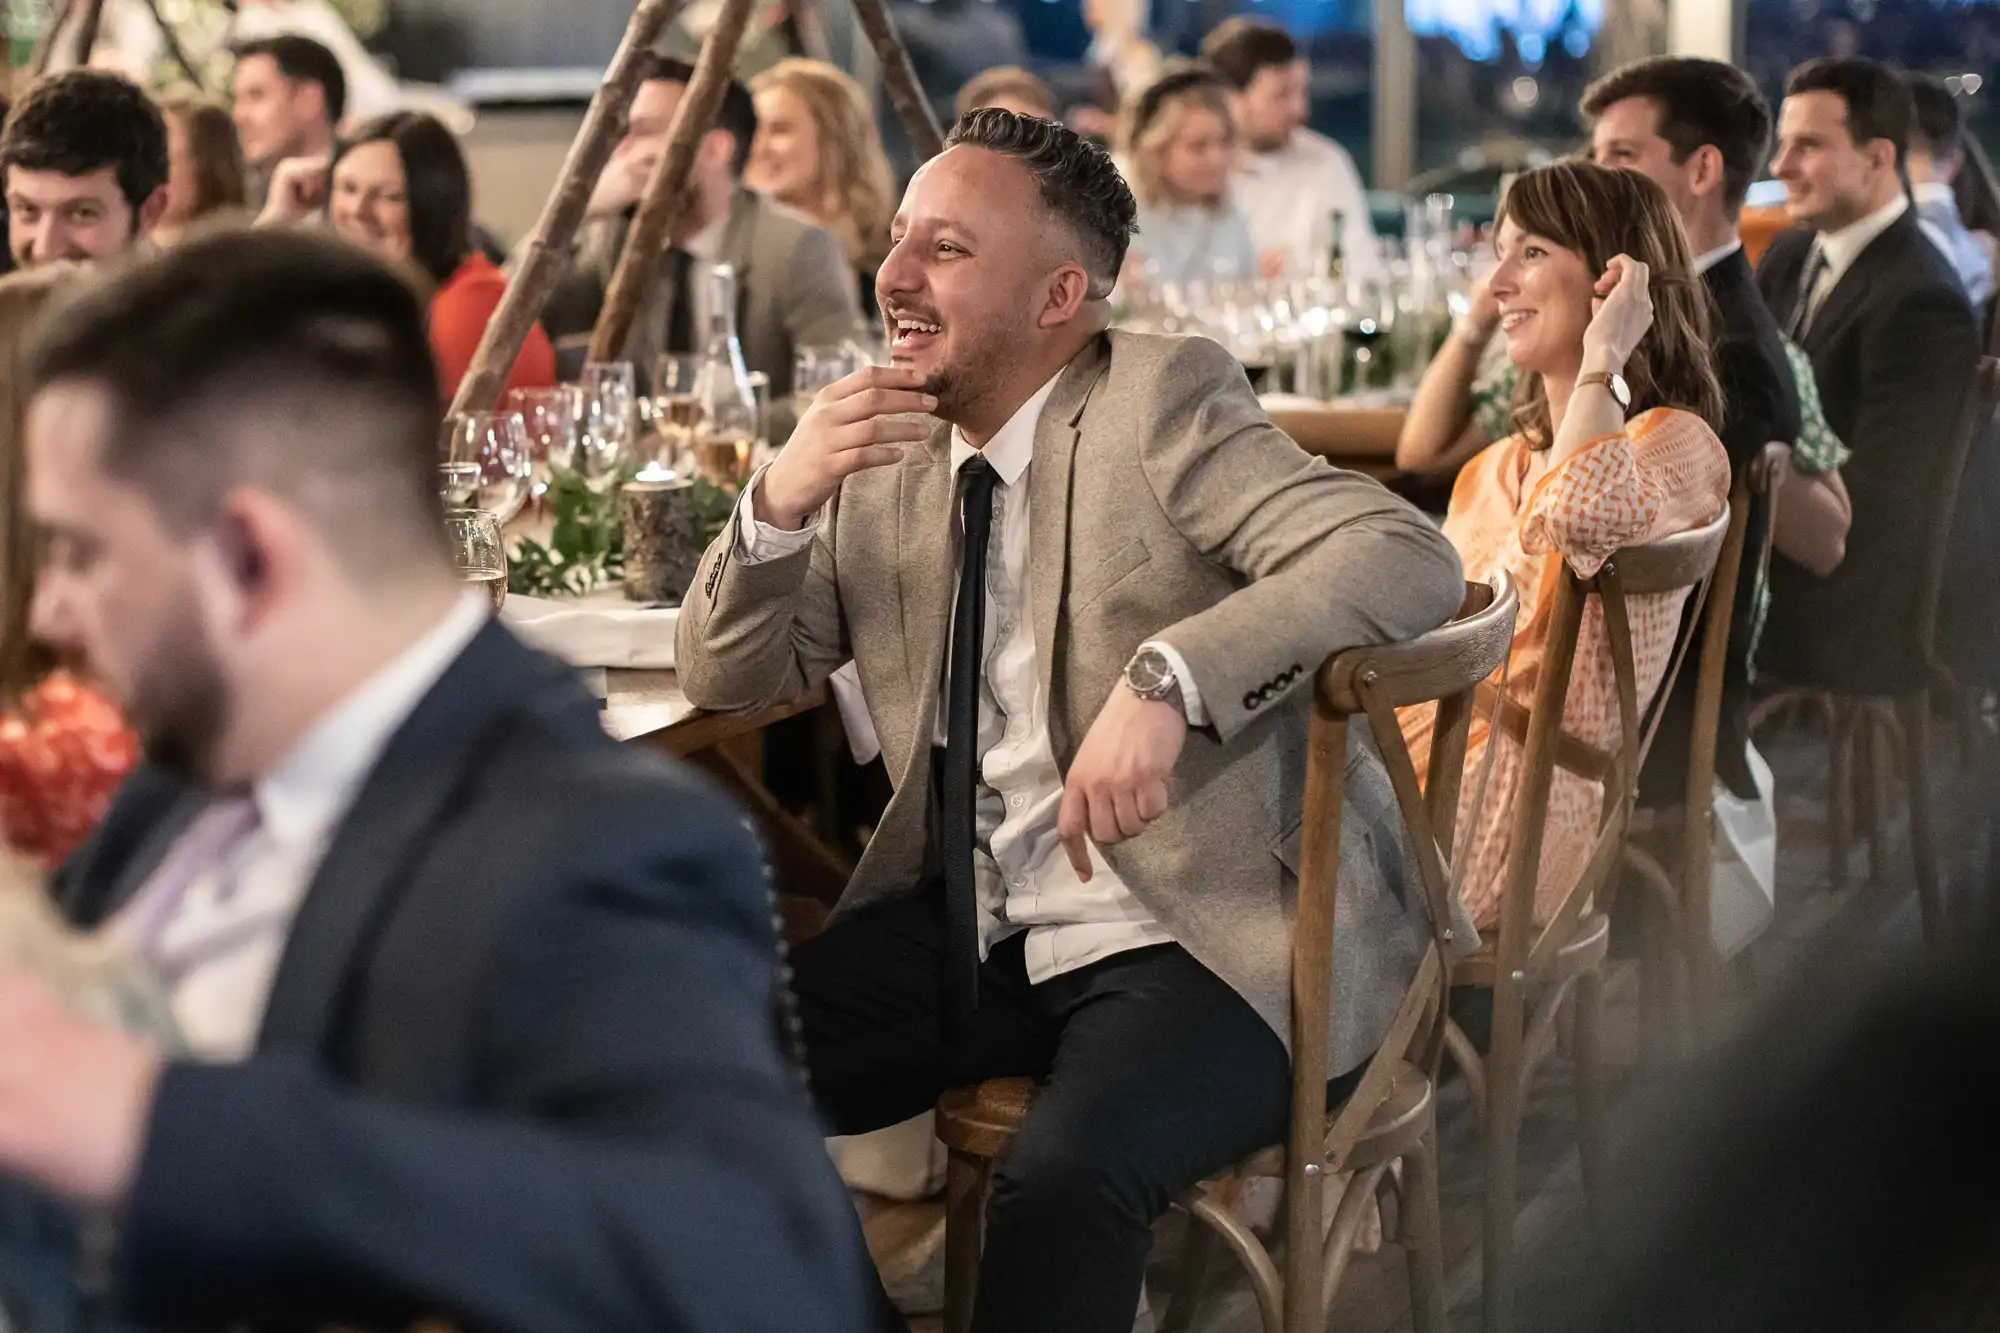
{"x": 1708, "y": 259}
{"x": 705, "y": 248}
{"x": 1841, "y": 248}
{"x": 236, "y": 919}
{"x": 1289, "y": 197}
{"x": 1025, "y": 878}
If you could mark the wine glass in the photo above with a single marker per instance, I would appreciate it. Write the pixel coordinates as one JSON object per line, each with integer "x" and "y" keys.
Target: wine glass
{"x": 814, "y": 368}
{"x": 478, "y": 551}
{"x": 675, "y": 411}
{"x": 549, "y": 417}
{"x": 498, "y": 443}
{"x": 458, "y": 484}
{"x": 608, "y": 419}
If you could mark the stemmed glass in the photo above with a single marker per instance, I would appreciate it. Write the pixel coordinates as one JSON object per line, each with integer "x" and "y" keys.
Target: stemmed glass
{"x": 815, "y": 368}
{"x": 549, "y": 418}
{"x": 675, "y": 412}
{"x": 498, "y": 443}
{"x": 607, "y": 420}
{"x": 478, "y": 551}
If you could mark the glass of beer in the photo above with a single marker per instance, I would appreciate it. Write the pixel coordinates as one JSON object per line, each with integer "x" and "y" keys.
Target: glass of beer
{"x": 477, "y": 550}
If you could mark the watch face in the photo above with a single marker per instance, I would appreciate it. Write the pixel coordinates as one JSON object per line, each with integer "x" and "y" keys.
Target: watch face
{"x": 1150, "y": 671}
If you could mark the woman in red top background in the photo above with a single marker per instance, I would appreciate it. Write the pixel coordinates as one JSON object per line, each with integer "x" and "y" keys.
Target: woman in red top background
{"x": 399, "y": 186}
{"x": 64, "y": 750}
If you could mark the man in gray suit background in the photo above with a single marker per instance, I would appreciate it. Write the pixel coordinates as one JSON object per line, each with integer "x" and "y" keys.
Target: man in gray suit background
{"x": 1086, "y": 585}
{"x": 793, "y": 285}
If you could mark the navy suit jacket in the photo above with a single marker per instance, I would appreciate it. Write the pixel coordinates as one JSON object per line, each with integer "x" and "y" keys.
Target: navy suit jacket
{"x": 519, "y": 1068}
{"x": 1893, "y": 347}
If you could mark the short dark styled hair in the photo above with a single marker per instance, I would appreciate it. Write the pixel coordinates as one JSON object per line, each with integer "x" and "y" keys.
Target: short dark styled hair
{"x": 277, "y": 358}
{"x": 85, "y": 120}
{"x": 1878, "y": 101}
{"x": 1009, "y": 81}
{"x": 737, "y": 114}
{"x": 1077, "y": 180}
{"x": 1700, "y": 102}
{"x": 1239, "y": 47}
{"x": 437, "y": 188}
{"x": 1937, "y": 123}
{"x": 303, "y": 60}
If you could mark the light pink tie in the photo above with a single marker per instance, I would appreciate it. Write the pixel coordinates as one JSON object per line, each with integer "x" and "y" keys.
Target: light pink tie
{"x": 197, "y": 854}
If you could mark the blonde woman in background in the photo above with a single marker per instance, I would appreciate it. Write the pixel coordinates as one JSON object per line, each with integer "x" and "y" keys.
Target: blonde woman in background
{"x": 1179, "y": 146}
{"x": 818, "y": 150}
{"x": 205, "y": 177}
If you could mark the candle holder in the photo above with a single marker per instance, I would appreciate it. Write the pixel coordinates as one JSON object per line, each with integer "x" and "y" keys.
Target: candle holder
{"x": 663, "y": 536}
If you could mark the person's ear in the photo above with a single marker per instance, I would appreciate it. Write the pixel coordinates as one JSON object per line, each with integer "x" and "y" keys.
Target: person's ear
{"x": 1882, "y": 154}
{"x": 717, "y": 152}
{"x": 150, "y": 212}
{"x": 1705, "y": 171}
{"x": 1067, "y": 293}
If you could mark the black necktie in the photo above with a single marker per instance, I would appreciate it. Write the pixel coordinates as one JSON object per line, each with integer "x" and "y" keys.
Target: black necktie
{"x": 1809, "y": 279}
{"x": 961, "y": 750}
{"x": 680, "y": 315}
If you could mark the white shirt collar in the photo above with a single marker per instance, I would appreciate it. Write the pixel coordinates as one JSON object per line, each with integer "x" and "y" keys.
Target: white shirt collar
{"x": 312, "y": 787}
{"x": 1013, "y": 445}
{"x": 1708, "y": 259}
{"x": 1844, "y": 246}
{"x": 1931, "y": 192}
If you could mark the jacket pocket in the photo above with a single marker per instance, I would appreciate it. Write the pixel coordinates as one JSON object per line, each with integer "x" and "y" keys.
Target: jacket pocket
{"x": 1093, "y": 583}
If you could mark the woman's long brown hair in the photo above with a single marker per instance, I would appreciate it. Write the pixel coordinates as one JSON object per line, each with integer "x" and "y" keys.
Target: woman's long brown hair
{"x": 1600, "y": 213}
{"x": 857, "y": 186}
{"x": 24, "y": 297}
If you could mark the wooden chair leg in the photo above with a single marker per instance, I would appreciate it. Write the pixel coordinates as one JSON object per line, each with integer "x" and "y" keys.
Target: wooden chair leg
{"x": 1590, "y": 1106}
{"x": 1915, "y": 714}
{"x": 1882, "y": 760}
{"x": 1423, "y": 1235}
{"x": 1839, "y": 798}
{"x": 1191, "y": 1283}
{"x": 1505, "y": 1077}
{"x": 964, "y": 1232}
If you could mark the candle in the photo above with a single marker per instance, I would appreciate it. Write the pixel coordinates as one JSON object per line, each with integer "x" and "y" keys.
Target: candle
{"x": 662, "y": 535}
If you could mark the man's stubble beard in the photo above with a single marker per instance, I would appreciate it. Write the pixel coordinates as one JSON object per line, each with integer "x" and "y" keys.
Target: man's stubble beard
{"x": 181, "y": 708}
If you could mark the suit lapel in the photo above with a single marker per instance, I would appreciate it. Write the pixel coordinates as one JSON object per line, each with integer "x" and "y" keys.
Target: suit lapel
{"x": 418, "y": 776}
{"x": 926, "y": 570}
{"x": 1049, "y": 478}
{"x": 1848, "y": 296}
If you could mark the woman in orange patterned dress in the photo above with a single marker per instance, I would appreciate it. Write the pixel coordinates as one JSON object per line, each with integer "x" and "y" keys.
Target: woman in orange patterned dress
{"x": 1603, "y": 313}
{"x": 64, "y": 749}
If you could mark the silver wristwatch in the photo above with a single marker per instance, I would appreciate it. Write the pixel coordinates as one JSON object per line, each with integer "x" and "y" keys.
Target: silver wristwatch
{"x": 1151, "y": 676}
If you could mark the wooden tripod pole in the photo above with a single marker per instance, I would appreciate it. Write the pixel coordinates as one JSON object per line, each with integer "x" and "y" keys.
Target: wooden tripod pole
{"x": 661, "y": 206}
{"x": 901, "y": 77}
{"x": 538, "y": 263}
{"x": 86, "y": 31}
{"x": 174, "y": 47}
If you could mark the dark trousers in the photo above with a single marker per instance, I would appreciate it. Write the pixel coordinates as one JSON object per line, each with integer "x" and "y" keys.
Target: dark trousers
{"x": 1155, "y": 1076}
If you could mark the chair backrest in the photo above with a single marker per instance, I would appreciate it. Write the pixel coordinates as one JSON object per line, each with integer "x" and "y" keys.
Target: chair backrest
{"x": 1445, "y": 666}
{"x": 1972, "y": 430}
{"x": 1685, "y": 561}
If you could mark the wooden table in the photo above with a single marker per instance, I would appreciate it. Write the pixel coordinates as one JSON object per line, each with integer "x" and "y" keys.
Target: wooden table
{"x": 1360, "y": 438}
{"x": 649, "y": 706}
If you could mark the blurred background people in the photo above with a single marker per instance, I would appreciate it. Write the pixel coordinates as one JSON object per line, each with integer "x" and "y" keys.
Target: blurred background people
{"x": 1291, "y": 181}
{"x": 1599, "y": 303}
{"x": 1122, "y": 63}
{"x": 84, "y": 154}
{"x": 64, "y": 749}
{"x": 1178, "y": 144}
{"x": 399, "y": 189}
{"x": 1010, "y": 88}
{"x": 1932, "y": 160}
{"x": 1884, "y": 317}
{"x": 205, "y": 177}
{"x": 290, "y": 96}
{"x": 818, "y": 150}
{"x": 794, "y": 286}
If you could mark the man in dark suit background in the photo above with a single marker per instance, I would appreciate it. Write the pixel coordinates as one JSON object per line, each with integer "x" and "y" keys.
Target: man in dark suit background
{"x": 482, "y": 1001}
{"x": 1893, "y": 343}
{"x": 1699, "y": 129}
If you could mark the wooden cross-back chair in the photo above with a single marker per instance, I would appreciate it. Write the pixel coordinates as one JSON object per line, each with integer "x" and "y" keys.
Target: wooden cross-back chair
{"x": 1871, "y": 738}
{"x": 1390, "y": 1116}
{"x": 1563, "y": 958}
{"x": 1681, "y": 960}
